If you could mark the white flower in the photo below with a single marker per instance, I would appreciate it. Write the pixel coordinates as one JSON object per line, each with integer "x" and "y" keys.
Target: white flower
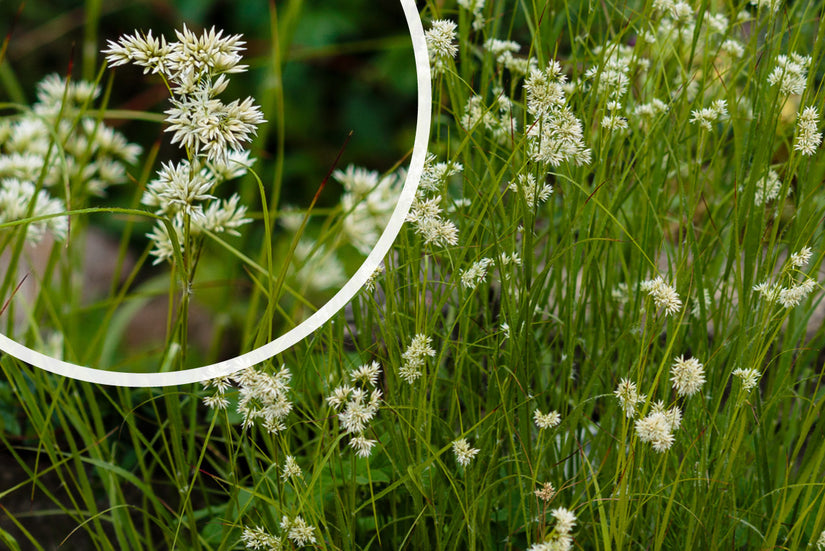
{"x": 298, "y": 531}
{"x": 546, "y": 420}
{"x": 144, "y": 51}
{"x": 366, "y": 374}
{"x": 464, "y": 454}
{"x": 664, "y": 296}
{"x": 655, "y": 429}
{"x": 792, "y": 296}
{"x": 475, "y": 7}
{"x": 687, "y": 375}
{"x": 290, "y": 469}
{"x": 264, "y": 398}
{"x": 475, "y": 274}
{"x": 216, "y": 401}
{"x": 768, "y": 188}
{"x": 808, "y": 139}
{"x": 565, "y": 520}
{"x": 749, "y": 376}
{"x": 16, "y": 197}
{"x": 441, "y": 44}
{"x": 529, "y": 189}
{"x": 628, "y": 397}
{"x": 258, "y": 538}
{"x": 801, "y": 257}
{"x": 361, "y": 445}
{"x": 790, "y": 74}
{"x": 415, "y": 357}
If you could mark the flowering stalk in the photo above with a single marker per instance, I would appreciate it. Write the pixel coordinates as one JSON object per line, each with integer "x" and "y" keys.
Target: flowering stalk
{"x": 211, "y": 132}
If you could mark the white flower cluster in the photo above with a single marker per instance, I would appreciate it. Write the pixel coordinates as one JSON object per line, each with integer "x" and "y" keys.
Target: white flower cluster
{"x": 749, "y": 376}
{"x": 290, "y": 469}
{"x": 503, "y": 50}
{"x": 264, "y": 397}
{"x": 687, "y": 375}
{"x": 664, "y": 295}
{"x": 415, "y": 357}
{"x": 502, "y": 127}
{"x": 613, "y": 75}
{"x": 718, "y": 111}
{"x": 358, "y": 405}
{"x": 475, "y": 274}
{"x": 546, "y": 420}
{"x": 258, "y": 538}
{"x": 441, "y": 44}
{"x": 555, "y": 136}
{"x": 790, "y": 73}
{"x": 213, "y": 133}
{"x": 425, "y": 215}
{"x": 475, "y": 7}
{"x": 298, "y": 531}
{"x": 528, "y": 188}
{"x": 809, "y": 137}
{"x": 367, "y": 202}
{"x": 561, "y": 539}
{"x": 768, "y": 188}
{"x": 464, "y": 453}
{"x": 796, "y": 287}
{"x": 657, "y": 428}
{"x": 425, "y": 212}
{"x": 628, "y": 397}
{"x": 58, "y": 143}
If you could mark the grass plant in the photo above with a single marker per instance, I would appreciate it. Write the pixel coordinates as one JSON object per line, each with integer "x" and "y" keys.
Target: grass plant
{"x": 600, "y": 328}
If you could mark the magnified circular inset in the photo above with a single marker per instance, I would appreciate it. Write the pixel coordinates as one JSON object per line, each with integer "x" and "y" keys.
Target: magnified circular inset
{"x": 182, "y": 203}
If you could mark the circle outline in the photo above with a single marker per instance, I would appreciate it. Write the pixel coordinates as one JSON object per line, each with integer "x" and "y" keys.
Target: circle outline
{"x": 325, "y": 312}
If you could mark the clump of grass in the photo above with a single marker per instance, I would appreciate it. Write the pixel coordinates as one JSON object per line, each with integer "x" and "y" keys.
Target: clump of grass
{"x": 617, "y": 225}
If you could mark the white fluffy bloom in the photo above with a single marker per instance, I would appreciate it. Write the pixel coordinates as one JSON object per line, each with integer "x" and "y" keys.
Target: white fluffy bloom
{"x": 546, "y": 420}
{"x": 415, "y": 357}
{"x": 464, "y": 453}
{"x": 664, "y": 296}
{"x": 258, "y": 538}
{"x": 655, "y": 429}
{"x": 290, "y": 468}
{"x": 475, "y": 274}
{"x": 264, "y": 398}
{"x": 790, "y": 74}
{"x": 800, "y": 258}
{"x": 298, "y": 531}
{"x": 808, "y": 137}
{"x": 362, "y": 446}
{"x": 441, "y": 44}
{"x": 687, "y": 376}
{"x": 749, "y": 376}
{"x": 425, "y": 216}
{"x": 533, "y": 194}
{"x": 15, "y": 203}
{"x": 628, "y": 397}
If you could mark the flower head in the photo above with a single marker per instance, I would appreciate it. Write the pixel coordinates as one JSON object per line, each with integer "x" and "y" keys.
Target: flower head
{"x": 441, "y": 44}
{"x": 628, "y": 397}
{"x": 808, "y": 138}
{"x": 546, "y": 420}
{"x": 656, "y": 429}
{"x": 687, "y": 375}
{"x": 464, "y": 454}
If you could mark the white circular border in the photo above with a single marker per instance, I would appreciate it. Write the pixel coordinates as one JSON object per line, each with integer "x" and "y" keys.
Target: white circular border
{"x": 341, "y": 298}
